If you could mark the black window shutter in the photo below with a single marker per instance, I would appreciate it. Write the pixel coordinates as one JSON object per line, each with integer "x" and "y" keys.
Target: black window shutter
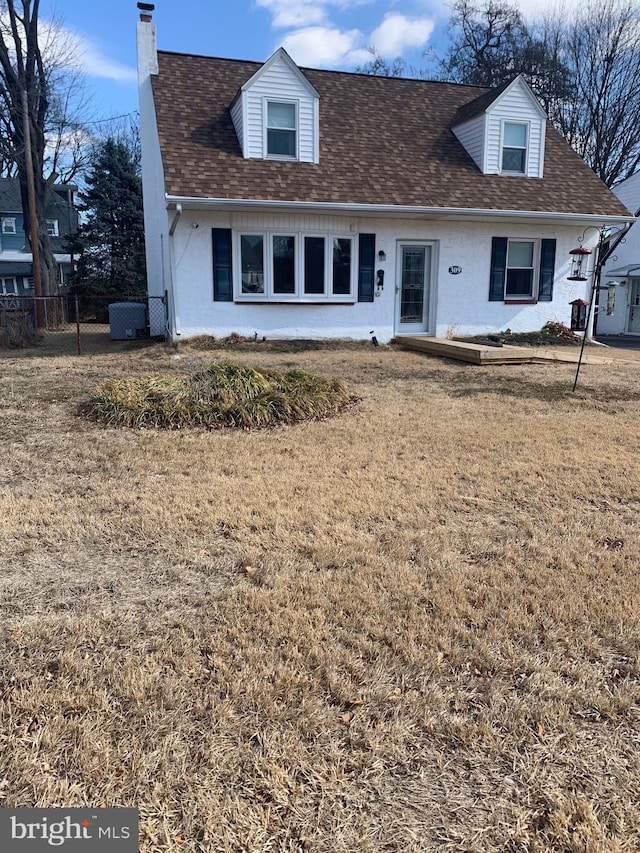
{"x": 498, "y": 269}
{"x": 222, "y": 277}
{"x": 366, "y": 264}
{"x": 547, "y": 269}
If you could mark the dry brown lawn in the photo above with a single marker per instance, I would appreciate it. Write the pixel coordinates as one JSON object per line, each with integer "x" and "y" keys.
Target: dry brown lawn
{"x": 411, "y": 627}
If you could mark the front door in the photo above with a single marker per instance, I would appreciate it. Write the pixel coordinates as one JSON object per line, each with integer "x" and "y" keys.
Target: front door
{"x": 413, "y": 289}
{"x": 634, "y": 309}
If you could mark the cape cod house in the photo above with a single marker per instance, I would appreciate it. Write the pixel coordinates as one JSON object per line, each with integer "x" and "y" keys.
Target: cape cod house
{"x": 16, "y": 260}
{"x": 292, "y": 202}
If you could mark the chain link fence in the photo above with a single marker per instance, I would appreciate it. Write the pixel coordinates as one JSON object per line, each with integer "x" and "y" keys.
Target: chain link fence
{"x": 73, "y": 324}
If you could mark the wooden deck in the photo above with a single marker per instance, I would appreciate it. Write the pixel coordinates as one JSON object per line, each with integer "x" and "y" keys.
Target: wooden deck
{"x": 486, "y": 354}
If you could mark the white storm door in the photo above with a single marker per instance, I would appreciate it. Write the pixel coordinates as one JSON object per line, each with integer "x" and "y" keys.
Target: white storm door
{"x": 634, "y": 308}
{"x": 413, "y": 290}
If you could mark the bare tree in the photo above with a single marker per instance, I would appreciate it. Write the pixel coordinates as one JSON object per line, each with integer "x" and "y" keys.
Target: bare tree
{"x": 485, "y": 42}
{"x": 379, "y": 66}
{"x": 38, "y": 83}
{"x": 600, "y": 45}
{"x": 491, "y": 43}
{"x": 584, "y": 67}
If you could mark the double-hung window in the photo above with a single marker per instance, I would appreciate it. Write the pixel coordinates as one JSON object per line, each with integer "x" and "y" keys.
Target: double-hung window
{"x": 521, "y": 262}
{"x": 282, "y": 138}
{"x": 514, "y": 147}
{"x": 296, "y": 267}
{"x": 522, "y": 270}
{"x": 52, "y": 227}
{"x": 8, "y": 286}
{"x": 8, "y": 225}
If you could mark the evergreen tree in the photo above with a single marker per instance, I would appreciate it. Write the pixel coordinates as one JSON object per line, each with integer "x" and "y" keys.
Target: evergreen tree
{"x": 112, "y": 264}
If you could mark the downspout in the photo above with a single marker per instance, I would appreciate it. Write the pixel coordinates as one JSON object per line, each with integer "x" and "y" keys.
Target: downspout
{"x": 176, "y": 219}
{"x": 172, "y": 229}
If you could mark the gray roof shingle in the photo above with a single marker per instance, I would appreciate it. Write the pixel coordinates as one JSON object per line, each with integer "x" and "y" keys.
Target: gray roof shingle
{"x": 383, "y": 140}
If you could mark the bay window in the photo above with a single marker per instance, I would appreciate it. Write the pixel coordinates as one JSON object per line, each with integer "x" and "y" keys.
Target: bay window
{"x": 296, "y": 267}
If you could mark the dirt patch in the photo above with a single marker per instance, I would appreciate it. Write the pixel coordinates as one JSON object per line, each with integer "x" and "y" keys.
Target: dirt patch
{"x": 551, "y": 335}
{"x": 238, "y": 343}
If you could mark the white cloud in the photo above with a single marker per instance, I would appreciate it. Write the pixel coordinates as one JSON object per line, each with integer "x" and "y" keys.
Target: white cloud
{"x": 298, "y": 14}
{"x": 397, "y": 33}
{"x": 64, "y": 48}
{"x": 93, "y": 62}
{"x": 294, "y": 13}
{"x": 326, "y": 46}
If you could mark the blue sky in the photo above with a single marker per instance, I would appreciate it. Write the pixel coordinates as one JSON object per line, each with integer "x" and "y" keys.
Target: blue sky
{"x": 317, "y": 33}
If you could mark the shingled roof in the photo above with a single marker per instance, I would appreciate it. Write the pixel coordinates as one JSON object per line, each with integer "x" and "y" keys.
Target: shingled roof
{"x": 383, "y": 141}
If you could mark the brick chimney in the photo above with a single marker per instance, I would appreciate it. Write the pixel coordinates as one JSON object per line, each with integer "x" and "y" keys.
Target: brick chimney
{"x": 145, "y": 12}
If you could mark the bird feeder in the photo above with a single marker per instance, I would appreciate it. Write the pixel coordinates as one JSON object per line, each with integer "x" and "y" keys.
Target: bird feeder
{"x": 578, "y": 315}
{"x": 579, "y": 264}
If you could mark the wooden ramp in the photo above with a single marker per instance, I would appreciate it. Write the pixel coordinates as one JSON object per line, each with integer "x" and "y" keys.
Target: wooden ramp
{"x": 486, "y": 354}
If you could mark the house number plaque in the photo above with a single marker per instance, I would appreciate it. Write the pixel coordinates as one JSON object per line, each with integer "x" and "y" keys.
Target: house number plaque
{"x": 455, "y": 270}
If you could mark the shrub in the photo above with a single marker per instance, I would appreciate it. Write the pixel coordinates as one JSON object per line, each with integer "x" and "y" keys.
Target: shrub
{"x": 223, "y": 395}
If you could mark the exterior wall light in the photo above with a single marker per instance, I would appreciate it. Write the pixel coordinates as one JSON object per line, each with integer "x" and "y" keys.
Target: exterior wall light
{"x": 382, "y": 256}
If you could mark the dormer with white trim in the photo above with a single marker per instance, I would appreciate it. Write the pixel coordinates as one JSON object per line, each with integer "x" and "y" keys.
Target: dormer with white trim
{"x": 276, "y": 113}
{"x": 504, "y": 131}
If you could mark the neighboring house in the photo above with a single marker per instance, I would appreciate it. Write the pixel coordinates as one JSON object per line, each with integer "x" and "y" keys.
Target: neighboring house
{"x": 16, "y": 261}
{"x": 624, "y": 269}
{"x": 292, "y": 202}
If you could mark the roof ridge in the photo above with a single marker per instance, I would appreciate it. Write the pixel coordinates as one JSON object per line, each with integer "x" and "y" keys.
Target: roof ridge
{"x": 305, "y": 68}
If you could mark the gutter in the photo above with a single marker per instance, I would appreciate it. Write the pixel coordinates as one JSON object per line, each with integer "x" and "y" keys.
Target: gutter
{"x": 178, "y": 202}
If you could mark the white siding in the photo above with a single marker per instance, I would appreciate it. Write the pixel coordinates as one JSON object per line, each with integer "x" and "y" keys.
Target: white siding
{"x": 629, "y": 192}
{"x": 236, "y": 118}
{"x": 460, "y": 303}
{"x": 626, "y": 259}
{"x": 471, "y": 134}
{"x": 515, "y": 106}
{"x": 281, "y": 83}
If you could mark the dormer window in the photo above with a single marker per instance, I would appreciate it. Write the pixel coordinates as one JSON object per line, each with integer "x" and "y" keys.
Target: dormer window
{"x": 276, "y": 113}
{"x": 514, "y": 148}
{"x": 281, "y": 129}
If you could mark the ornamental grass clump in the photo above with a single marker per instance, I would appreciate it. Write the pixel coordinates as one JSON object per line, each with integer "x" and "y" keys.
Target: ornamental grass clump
{"x": 223, "y": 395}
